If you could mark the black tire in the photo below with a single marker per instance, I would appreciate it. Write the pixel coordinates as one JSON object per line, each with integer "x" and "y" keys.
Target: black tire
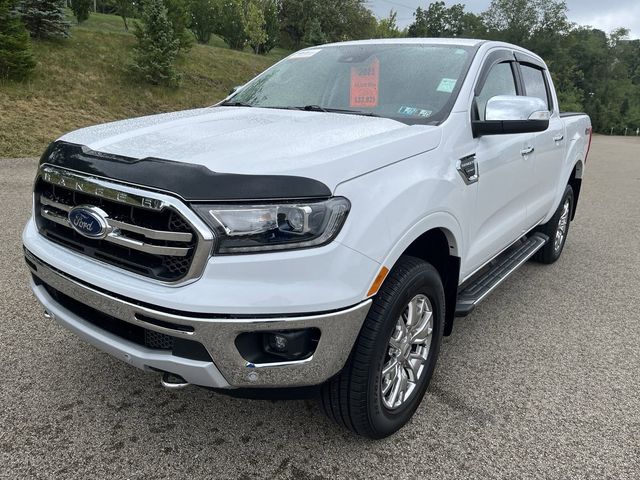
{"x": 552, "y": 251}
{"x": 353, "y": 398}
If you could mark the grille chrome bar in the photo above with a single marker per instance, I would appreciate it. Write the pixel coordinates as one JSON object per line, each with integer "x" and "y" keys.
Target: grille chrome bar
{"x": 118, "y": 239}
{"x": 60, "y": 206}
{"x": 147, "y": 232}
{"x": 150, "y": 233}
{"x": 54, "y": 217}
{"x": 123, "y": 241}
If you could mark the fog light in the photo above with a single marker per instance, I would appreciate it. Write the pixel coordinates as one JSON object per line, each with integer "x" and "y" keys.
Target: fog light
{"x": 278, "y": 346}
{"x": 290, "y": 345}
{"x": 278, "y": 342}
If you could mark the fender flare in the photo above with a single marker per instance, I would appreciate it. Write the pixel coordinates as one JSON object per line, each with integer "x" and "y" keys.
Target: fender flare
{"x": 443, "y": 221}
{"x": 450, "y": 227}
{"x": 578, "y": 165}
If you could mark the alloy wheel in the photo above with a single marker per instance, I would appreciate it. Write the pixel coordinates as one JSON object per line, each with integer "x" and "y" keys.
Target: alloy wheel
{"x": 407, "y": 352}
{"x": 563, "y": 222}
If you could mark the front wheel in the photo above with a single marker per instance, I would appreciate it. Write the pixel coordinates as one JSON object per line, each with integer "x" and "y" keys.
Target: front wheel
{"x": 394, "y": 357}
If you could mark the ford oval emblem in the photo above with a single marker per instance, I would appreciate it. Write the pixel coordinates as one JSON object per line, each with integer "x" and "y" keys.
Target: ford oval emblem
{"x": 89, "y": 221}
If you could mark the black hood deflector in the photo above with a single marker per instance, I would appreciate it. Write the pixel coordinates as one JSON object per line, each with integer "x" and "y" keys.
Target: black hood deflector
{"x": 194, "y": 183}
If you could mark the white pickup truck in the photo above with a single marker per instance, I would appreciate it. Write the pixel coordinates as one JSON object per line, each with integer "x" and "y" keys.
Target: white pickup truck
{"x": 317, "y": 231}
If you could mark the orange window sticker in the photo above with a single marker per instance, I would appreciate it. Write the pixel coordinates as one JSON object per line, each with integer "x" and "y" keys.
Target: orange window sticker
{"x": 364, "y": 85}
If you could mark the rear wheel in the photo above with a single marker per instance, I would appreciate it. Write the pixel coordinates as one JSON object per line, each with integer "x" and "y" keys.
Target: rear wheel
{"x": 395, "y": 354}
{"x": 557, "y": 230}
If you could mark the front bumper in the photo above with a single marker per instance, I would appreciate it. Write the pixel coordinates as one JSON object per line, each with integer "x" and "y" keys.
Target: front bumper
{"x": 226, "y": 368}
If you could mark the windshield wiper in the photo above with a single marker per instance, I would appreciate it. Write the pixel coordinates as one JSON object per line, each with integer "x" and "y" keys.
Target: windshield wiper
{"x": 318, "y": 108}
{"x": 313, "y": 108}
{"x": 236, "y": 104}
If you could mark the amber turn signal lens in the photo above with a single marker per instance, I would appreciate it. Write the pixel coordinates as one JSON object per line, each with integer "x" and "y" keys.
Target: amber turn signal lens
{"x": 377, "y": 283}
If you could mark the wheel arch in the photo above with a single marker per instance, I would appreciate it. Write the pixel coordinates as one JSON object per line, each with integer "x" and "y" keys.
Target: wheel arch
{"x": 439, "y": 244}
{"x": 575, "y": 180}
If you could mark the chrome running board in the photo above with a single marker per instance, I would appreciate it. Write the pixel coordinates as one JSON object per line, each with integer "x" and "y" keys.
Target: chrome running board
{"x": 477, "y": 288}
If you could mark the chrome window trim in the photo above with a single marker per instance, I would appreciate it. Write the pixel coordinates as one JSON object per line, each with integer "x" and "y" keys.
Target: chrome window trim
{"x": 137, "y": 197}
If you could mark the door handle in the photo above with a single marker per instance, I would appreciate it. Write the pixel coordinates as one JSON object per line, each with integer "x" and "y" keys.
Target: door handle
{"x": 526, "y": 151}
{"x": 558, "y": 138}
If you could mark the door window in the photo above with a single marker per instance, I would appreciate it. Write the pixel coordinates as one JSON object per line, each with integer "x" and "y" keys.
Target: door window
{"x": 534, "y": 83}
{"x": 500, "y": 81}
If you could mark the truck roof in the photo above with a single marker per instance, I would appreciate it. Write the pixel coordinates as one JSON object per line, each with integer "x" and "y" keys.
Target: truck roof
{"x": 463, "y": 42}
{"x": 467, "y": 42}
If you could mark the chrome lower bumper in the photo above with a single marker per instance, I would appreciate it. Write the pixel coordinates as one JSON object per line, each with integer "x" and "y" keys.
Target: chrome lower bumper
{"x": 339, "y": 331}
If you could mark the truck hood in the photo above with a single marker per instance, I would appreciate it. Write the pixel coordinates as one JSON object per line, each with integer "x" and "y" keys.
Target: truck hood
{"x": 327, "y": 147}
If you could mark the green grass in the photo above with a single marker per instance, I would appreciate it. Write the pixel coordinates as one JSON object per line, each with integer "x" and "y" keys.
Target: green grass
{"x": 84, "y": 80}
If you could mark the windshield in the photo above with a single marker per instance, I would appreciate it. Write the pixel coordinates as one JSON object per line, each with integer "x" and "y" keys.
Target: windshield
{"x": 413, "y": 83}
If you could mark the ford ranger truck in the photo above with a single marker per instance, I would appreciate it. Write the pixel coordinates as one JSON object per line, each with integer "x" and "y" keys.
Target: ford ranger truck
{"x": 316, "y": 231}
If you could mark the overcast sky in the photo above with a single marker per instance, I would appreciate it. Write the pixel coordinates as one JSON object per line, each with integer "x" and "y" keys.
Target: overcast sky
{"x": 605, "y": 15}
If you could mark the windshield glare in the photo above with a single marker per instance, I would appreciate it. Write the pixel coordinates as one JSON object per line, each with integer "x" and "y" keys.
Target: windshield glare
{"x": 410, "y": 83}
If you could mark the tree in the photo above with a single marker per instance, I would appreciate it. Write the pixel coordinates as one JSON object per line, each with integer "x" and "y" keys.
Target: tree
{"x": 157, "y": 48}
{"x": 124, "y": 8}
{"x": 388, "y": 27}
{"x": 473, "y": 26}
{"x": 81, "y": 9}
{"x": 345, "y": 19}
{"x": 271, "y": 26}
{"x": 338, "y": 19}
{"x": 528, "y": 23}
{"x": 231, "y": 23}
{"x": 255, "y": 27}
{"x": 438, "y": 21}
{"x": 178, "y": 14}
{"x": 45, "y": 18}
{"x": 314, "y": 34}
{"x": 293, "y": 17}
{"x": 203, "y": 15}
{"x": 16, "y": 59}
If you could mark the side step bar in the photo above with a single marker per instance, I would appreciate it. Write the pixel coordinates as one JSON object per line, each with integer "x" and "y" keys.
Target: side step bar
{"x": 474, "y": 291}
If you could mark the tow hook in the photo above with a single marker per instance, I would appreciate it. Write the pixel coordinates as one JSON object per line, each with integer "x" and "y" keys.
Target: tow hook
{"x": 172, "y": 381}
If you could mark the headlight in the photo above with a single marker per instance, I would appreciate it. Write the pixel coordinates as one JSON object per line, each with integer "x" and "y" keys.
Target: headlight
{"x": 282, "y": 226}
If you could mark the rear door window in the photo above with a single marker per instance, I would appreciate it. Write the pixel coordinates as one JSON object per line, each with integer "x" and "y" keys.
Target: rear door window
{"x": 535, "y": 83}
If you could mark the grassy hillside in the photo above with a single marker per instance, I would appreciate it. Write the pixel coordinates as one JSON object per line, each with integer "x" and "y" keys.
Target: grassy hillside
{"x": 83, "y": 80}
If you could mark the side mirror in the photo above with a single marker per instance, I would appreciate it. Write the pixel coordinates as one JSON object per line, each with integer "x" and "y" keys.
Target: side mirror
{"x": 235, "y": 89}
{"x": 506, "y": 114}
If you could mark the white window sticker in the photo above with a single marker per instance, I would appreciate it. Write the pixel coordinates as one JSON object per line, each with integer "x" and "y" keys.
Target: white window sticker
{"x": 413, "y": 111}
{"x": 305, "y": 53}
{"x": 447, "y": 85}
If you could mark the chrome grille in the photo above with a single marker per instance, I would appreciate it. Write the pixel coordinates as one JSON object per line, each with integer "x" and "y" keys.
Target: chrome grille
{"x": 145, "y": 235}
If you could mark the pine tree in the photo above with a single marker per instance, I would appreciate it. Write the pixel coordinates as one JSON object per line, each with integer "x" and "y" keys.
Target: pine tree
{"x": 81, "y": 9}
{"x": 45, "y": 18}
{"x": 157, "y": 48}
{"x": 16, "y": 59}
{"x": 178, "y": 15}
